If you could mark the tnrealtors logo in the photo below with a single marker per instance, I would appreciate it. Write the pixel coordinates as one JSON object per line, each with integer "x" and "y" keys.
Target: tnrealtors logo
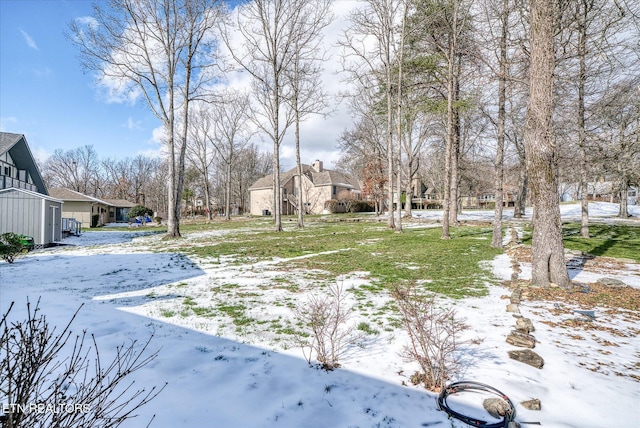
{"x": 41, "y": 408}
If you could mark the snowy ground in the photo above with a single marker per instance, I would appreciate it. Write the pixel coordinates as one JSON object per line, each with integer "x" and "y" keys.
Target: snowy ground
{"x": 222, "y": 374}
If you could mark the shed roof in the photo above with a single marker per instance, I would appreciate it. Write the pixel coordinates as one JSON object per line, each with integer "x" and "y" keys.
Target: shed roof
{"x": 31, "y": 193}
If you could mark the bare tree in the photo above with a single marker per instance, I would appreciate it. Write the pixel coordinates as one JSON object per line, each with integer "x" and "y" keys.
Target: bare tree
{"x": 307, "y": 96}
{"x": 619, "y": 118}
{"x": 230, "y": 134}
{"x": 269, "y": 31}
{"x": 162, "y": 50}
{"x": 250, "y": 165}
{"x": 200, "y": 152}
{"x": 129, "y": 178}
{"x": 50, "y": 384}
{"x": 371, "y": 65}
{"x": 77, "y": 169}
{"x": 547, "y": 248}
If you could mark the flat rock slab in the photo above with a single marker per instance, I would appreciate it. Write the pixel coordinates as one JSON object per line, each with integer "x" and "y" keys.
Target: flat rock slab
{"x": 496, "y": 407}
{"x": 527, "y": 356}
{"x": 522, "y": 340}
{"x": 524, "y": 325}
{"x": 611, "y": 283}
{"x": 516, "y": 296}
{"x": 532, "y": 404}
{"x": 513, "y": 308}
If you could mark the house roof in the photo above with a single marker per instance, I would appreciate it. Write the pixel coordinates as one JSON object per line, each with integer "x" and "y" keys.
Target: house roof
{"x": 72, "y": 196}
{"x": 29, "y": 192}
{"x": 16, "y": 145}
{"x": 120, "y": 203}
{"x": 326, "y": 177}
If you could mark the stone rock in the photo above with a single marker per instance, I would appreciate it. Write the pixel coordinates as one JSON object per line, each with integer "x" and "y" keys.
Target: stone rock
{"x": 527, "y": 356}
{"x": 611, "y": 283}
{"x": 496, "y": 407}
{"x": 525, "y": 325}
{"x": 516, "y": 296}
{"x": 513, "y": 424}
{"x": 532, "y": 404}
{"x": 513, "y": 308}
{"x": 523, "y": 340}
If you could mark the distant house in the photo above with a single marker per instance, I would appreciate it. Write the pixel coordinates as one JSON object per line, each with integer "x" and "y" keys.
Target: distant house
{"x": 91, "y": 211}
{"x": 118, "y": 210}
{"x": 318, "y": 186}
{"x": 26, "y": 207}
{"x": 603, "y": 191}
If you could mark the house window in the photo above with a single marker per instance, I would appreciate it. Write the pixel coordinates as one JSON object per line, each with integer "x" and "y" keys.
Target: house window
{"x": 334, "y": 190}
{"x": 7, "y": 170}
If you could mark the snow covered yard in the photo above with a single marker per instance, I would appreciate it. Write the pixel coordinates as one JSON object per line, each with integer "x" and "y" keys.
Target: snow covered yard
{"x": 224, "y": 329}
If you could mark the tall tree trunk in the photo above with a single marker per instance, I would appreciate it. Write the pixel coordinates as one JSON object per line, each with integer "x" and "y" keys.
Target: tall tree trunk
{"x": 277, "y": 197}
{"x": 409, "y": 188}
{"x": 624, "y": 207}
{"x": 399, "y": 132}
{"x": 300, "y": 199}
{"x": 548, "y": 265}
{"x": 173, "y": 198}
{"x": 582, "y": 135}
{"x": 455, "y": 152}
{"x": 496, "y": 240}
{"x": 390, "y": 159}
{"x": 450, "y": 145}
{"x": 227, "y": 192}
{"x": 207, "y": 196}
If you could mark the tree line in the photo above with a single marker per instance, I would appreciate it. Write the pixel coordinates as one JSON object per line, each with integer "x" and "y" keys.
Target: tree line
{"x": 143, "y": 179}
{"x": 458, "y": 94}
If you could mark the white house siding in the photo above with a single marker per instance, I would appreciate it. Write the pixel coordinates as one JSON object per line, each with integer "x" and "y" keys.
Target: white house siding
{"x": 29, "y": 213}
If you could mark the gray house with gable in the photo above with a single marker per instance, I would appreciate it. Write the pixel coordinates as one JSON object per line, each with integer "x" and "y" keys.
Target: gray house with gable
{"x": 25, "y": 205}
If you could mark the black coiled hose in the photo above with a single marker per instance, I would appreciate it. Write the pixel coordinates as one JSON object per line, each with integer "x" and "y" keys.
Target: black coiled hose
{"x": 468, "y": 385}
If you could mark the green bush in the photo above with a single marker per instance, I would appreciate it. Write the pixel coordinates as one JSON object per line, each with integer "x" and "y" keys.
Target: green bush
{"x": 139, "y": 210}
{"x": 10, "y": 246}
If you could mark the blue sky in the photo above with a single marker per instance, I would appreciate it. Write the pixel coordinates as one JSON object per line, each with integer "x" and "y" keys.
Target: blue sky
{"x": 45, "y": 94}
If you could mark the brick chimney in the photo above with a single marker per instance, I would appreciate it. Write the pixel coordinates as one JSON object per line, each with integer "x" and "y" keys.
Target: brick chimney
{"x": 317, "y": 165}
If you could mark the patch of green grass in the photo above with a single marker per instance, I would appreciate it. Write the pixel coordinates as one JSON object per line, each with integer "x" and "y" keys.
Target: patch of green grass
{"x": 236, "y": 313}
{"x": 202, "y": 311}
{"x": 188, "y": 301}
{"x": 336, "y": 248}
{"x": 365, "y": 327}
{"x": 606, "y": 240}
{"x": 167, "y": 313}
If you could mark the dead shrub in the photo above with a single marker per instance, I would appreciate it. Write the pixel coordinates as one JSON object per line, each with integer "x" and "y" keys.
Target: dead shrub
{"x": 327, "y": 318}
{"x": 433, "y": 333}
{"x": 50, "y": 379}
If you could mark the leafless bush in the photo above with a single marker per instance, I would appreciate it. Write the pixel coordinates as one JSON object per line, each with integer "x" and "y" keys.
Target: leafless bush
{"x": 433, "y": 333}
{"x": 327, "y": 318}
{"x": 50, "y": 379}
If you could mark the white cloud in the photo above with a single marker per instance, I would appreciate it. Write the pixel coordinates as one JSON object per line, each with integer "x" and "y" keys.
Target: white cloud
{"x": 40, "y": 154}
{"x": 27, "y": 38}
{"x": 133, "y": 124}
{"x": 87, "y": 21}
{"x": 6, "y": 122}
{"x": 42, "y": 72}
